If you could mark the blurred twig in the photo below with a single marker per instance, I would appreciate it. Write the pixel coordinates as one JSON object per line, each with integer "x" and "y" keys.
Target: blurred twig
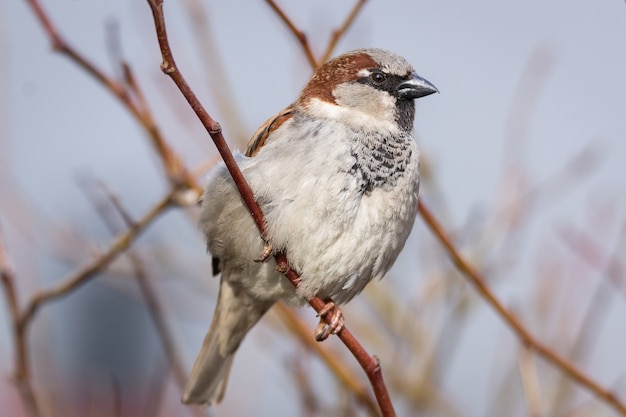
{"x": 338, "y": 33}
{"x": 303, "y": 40}
{"x": 128, "y": 94}
{"x": 96, "y": 265}
{"x": 611, "y": 271}
{"x": 149, "y": 295}
{"x": 22, "y": 363}
{"x": 300, "y": 35}
{"x": 198, "y": 12}
{"x": 22, "y": 320}
{"x": 339, "y": 369}
{"x": 611, "y": 266}
{"x": 530, "y": 382}
{"x": 518, "y": 328}
{"x": 369, "y": 364}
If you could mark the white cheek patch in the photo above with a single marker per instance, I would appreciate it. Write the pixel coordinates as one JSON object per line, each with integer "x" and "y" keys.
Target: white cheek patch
{"x": 356, "y": 118}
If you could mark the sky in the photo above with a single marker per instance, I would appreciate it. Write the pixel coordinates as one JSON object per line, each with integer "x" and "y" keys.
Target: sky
{"x": 526, "y": 89}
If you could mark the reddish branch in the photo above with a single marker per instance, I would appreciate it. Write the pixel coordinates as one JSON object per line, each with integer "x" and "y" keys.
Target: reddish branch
{"x": 96, "y": 265}
{"x": 22, "y": 368}
{"x": 303, "y": 40}
{"x": 129, "y": 95}
{"x": 300, "y": 35}
{"x": 337, "y": 366}
{"x": 369, "y": 364}
{"x": 338, "y": 33}
{"x": 518, "y": 328}
{"x": 147, "y": 291}
{"x": 22, "y": 320}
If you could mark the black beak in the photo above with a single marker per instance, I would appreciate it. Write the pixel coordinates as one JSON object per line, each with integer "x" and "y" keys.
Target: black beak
{"x": 415, "y": 87}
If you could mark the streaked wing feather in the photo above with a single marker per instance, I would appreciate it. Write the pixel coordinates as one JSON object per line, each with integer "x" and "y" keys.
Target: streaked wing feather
{"x": 260, "y": 136}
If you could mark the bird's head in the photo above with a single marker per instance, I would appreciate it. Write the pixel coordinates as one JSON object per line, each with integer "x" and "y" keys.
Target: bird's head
{"x": 369, "y": 89}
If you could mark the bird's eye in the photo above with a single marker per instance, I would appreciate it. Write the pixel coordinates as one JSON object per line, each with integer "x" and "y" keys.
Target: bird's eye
{"x": 378, "y": 77}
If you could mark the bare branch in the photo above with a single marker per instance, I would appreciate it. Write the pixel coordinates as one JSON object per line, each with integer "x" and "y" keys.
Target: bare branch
{"x": 518, "y": 328}
{"x": 302, "y": 38}
{"x": 338, "y": 33}
{"x": 585, "y": 248}
{"x": 345, "y": 376}
{"x": 168, "y": 66}
{"x": 96, "y": 265}
{"x": 22, "y": 363}
{"x": 300, "y": 35}
{"x": 175, "y": 169}
{"x": 530, "y": 382}
{"x": 150, "y": 297}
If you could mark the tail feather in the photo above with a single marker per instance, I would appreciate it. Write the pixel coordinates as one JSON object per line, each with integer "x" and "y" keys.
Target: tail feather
{"x": 235, "y": 314}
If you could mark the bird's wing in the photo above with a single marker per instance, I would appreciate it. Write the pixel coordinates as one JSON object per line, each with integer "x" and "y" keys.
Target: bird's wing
{"x": 260, "y": 136}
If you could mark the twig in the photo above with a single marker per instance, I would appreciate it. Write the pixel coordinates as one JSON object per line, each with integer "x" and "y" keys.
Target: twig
{"x": 168, "y": 66}
{"x": 339, "y": 369}
{"x": 22, "y": 364}
{"x": 610, "y": 268}
{"x": 175, "y": 169}
{"x": 338, "y": 33}
{"x": 300, "y": 35}
{"x": 586, "y": 249}
{"x": 210, "y": 54}
{"x": 530, "y": 382}
{"x": 158, "y": 318}
{"x": 22, "y": 320}
{"x": 96, "y": 265}
{"x": 369, "y": 364}
{"x": 518, "y": 328}
{"x": 148, "y": 292}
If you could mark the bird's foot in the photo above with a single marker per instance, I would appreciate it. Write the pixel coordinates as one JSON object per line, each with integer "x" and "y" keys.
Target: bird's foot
{"x": 335, "y": 323}
{"x": 266, "y": 254}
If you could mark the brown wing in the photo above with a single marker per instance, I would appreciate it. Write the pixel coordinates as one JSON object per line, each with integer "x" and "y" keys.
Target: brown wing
{"x": 260, "y": 136}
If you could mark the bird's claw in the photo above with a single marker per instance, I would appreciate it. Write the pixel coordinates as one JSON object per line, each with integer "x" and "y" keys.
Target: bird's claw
{"x": 266, "y": 254}
{"x": 333, "y": 326}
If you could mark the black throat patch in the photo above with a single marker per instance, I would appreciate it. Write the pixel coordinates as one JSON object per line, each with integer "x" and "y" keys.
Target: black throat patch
{"x": 380, "y": 160}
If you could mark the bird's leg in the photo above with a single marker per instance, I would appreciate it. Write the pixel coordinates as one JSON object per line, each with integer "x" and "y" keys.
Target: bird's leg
{"x": 335, "y": 322}
{"x": 266, "y": 254}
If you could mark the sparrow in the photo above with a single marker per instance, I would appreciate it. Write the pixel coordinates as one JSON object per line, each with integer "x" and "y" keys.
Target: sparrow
{"x": 336, "y": 175}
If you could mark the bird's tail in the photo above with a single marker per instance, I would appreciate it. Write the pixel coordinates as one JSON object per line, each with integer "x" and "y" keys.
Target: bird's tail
{"x": 235, "y": 314}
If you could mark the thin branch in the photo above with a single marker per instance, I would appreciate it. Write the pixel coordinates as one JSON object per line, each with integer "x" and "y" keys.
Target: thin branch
{"x": 21, "y": 321}
{"x": 168, "y": 66}
{"x": 516, "y": 326}
{"x": 369, "y": 364}
{"x": 530, "y": 382}
{"x": 160, "y": 323}
{"x": 339, "y": 369}
{"x": 610, "y": 268}
{"x": 175, "y": 169}
{"x": 96, "y": 265}
{"x": 300, "y": 35}
{"x": 22, "y": 374}
{"x": 610, "y": 265}
{"x": 149, "y": 295}
{"x": 338, "y": 33}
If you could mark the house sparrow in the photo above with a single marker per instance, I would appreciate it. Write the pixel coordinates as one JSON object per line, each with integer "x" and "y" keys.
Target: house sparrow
{"x": 336, "y": 175}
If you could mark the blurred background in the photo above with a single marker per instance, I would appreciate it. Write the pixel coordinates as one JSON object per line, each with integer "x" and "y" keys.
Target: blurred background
{"x": 524, "y": 162}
